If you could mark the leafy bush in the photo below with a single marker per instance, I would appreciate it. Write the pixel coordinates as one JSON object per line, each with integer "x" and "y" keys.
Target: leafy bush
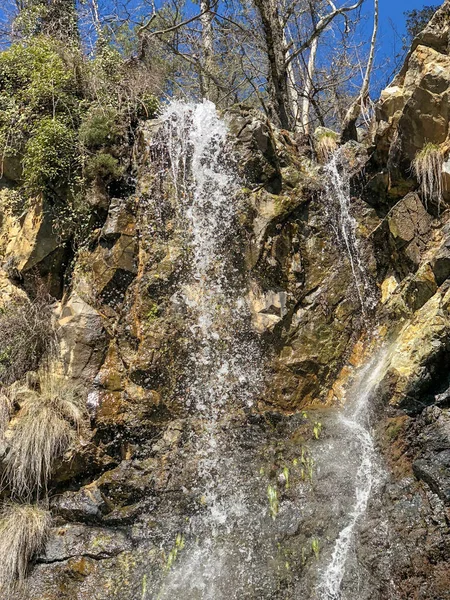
{"x": 37, "y": 76}
{"x": 99, "y": 127}
{"x": 23, "y": 532}
{"x": 50, "y": 156}
{"x": 60, "y": 113}
{"x": 103, "y": 166}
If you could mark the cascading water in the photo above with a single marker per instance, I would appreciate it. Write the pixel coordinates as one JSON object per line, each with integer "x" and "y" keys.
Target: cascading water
{"x": 222, "y": 370}
{"x": 344, "y": 224}
{"x": 355, "y": 422}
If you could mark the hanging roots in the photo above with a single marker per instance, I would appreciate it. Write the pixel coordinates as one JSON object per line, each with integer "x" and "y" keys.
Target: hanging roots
{"x": 23, "y": 532}
{"x": 45, "y": 427}
{"x": 427, "y": 167}
{"x": 325, "y": 143}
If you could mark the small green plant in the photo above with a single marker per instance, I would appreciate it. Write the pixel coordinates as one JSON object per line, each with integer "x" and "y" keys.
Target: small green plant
{"x": 23, "y": 532}
{"x": 103, "y": 166}
{"x": 178, "y": 546}
{"x": 272, "y": 496}
{"x": 317, "y": 429}
{"x": 286, "y": 477}
{"x": 152, "y": 313}
{"x": 427, "y": 166}
{"x": 307, "y": 468}
{"x": 315, "y": 547}
{"x": 144, "y": 587}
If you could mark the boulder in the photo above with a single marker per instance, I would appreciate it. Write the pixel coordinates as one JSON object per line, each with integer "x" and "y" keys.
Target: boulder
{"x": 71, "y": 541}
{"x": 82, "y": 338}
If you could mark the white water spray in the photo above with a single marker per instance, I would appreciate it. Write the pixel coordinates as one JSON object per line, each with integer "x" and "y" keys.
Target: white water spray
{"x": 338, "y": 191}
{"x": 222, "y": 370}
{"x": 355, "y": 420}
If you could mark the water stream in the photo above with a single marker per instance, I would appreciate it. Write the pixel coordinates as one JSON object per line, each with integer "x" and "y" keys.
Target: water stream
{"x": 355, "y": 422}
{"x": 222, "y": 373}
{"x": 345, "y": 225}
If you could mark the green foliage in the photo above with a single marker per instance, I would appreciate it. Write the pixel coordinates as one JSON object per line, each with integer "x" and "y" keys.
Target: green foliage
{"x": 317, "y": 429}
{"x": 272, "y": 496}
{"x": 307, "y": 468}
{"x": 286, "y": 477}
{"x": 148, "y": 106}
{"x": 64, "y": 117}
{"x": 104, "y": 166}
{"x": 38, "y": 75}
{"x": 178, "y": 546}
{"x": 99, "y": 127}
{"x": 315, "y": 547}
{"x": 50, "y": 156}
{"x": 152, "y": 313}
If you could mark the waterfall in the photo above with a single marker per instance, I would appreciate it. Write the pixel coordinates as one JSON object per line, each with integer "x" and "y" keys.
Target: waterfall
{"x": 344, "y": 224}
{"x": 222, "y": 371}
{"x": 221, "y": 365}
{"x": 355, "y": 421}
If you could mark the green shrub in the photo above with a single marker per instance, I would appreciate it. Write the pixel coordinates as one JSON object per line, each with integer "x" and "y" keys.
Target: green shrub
{"x": 50, "y": 156}
{"x": 103, "y": 166}
{"x": 37, "y": 76}
{"x": 99, "y": 127}
{"x": 148, "y": 106}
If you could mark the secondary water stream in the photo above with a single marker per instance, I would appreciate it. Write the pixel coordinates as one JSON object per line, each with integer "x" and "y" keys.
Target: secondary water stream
{"x": 338, "y": 205}
{"x": 356, "y": 430}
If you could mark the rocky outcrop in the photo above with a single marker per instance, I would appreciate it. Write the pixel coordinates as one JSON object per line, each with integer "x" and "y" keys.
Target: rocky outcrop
{"x": 122, "y": 499}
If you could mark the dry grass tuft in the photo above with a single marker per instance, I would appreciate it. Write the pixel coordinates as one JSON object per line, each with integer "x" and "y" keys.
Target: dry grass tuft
{"x": 5, "y": 412}
{"x": 427, "y": 167}
{"x": 23, "y": 532}
{"x": 46, "y": 425}
{"x": 325, "y": 143}
{"x": 26, "y": 335}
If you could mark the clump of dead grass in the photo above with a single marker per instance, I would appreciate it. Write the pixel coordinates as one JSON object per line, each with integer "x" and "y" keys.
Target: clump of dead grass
{"x": 23, "y": 532}
{"x": 26, "y": 335}
{"x": 427, "y": 166}
{"x": 44, "y": 428}
{"x": 326, "y": 142}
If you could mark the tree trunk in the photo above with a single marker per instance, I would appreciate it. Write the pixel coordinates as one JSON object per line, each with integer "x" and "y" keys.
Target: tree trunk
{"x": 349, "y": 130}
{"x": 309, "y": 85}
{"x": 206, "y": 19}
{"x": 278, "y": 77}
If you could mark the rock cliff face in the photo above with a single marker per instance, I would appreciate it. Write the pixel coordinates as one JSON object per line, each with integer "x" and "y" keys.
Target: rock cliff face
{"x": 325, "y": 294}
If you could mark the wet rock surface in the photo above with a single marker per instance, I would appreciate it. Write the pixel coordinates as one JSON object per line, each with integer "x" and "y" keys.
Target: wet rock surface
{"x": 128, "y": 511}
